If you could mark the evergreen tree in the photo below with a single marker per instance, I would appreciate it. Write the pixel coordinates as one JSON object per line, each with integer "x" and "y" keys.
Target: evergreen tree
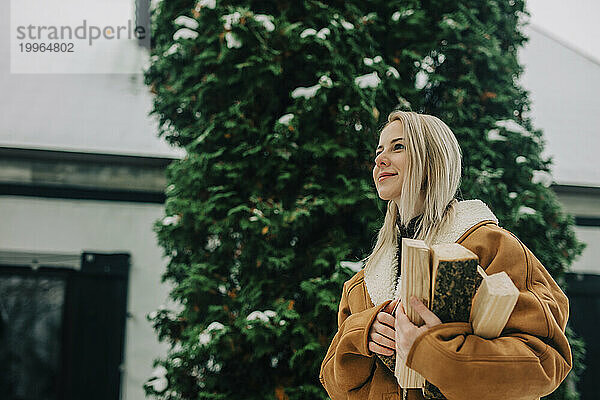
{"x": 278, "y": 105}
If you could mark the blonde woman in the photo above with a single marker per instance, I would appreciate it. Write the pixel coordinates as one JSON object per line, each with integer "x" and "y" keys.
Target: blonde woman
{"x": 417, "y": 170}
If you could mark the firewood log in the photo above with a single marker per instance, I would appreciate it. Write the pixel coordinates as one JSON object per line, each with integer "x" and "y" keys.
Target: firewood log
{"x": 416, "y": 276}
{"x": 455, "y": 280}
{"x": 493, "y": 304}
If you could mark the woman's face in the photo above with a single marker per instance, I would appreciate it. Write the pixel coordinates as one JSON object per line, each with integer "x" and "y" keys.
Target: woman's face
{"x": 391, "y": 162}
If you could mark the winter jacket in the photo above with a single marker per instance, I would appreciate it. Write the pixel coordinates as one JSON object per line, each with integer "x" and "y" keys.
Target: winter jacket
{"x": 529, "y": 359}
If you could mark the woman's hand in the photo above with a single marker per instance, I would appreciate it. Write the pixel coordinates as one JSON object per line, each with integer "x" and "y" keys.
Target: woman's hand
{"x": 406, "y": 332}
{"x": 381, "y": 334}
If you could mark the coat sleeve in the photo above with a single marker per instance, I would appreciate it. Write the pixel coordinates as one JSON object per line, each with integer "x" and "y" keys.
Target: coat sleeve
{"x": 349, "y": 364}
{"x": 532, "y": 355}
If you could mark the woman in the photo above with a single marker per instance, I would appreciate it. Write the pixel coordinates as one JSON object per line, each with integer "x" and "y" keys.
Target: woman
{"x": 417, "y": 170}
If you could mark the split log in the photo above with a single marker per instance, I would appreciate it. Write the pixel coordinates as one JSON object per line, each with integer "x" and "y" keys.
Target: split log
{"x": 455, "y": 280}
{"x": 493, "y": 304}
{"x": 416, "y": 278}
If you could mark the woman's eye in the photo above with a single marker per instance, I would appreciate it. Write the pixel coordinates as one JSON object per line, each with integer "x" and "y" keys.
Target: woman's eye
{"x": 397, "y": 146}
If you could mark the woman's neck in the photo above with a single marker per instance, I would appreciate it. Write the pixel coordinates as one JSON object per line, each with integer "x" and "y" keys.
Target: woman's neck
{"x": 419, "y": 207}
{"x": 410, "y": 229}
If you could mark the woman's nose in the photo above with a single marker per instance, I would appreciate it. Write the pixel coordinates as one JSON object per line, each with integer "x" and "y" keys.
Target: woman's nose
{"x": 380, "y": 160}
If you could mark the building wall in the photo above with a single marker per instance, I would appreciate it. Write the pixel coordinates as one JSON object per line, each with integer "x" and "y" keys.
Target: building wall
{"x": 72, "y": 226}
{"x": 588, "y": 261}
{"x": 564, "y": 86}
{"x": 103, "y": 113}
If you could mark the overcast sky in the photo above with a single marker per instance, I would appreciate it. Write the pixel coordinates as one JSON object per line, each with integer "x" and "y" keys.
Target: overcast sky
{"x": 574, "y": 22}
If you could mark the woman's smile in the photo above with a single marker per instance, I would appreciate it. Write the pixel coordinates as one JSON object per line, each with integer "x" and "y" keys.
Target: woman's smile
{"x": 384, "y": 176}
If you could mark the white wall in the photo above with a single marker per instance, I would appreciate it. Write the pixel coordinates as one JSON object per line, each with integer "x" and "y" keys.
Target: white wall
{"x": 589, "y": 260}
{"x": 564, "y": 87}
{"x": 72, "y": 226}
{"x": 105, "y": 113}
{"x": 574, "y": 21}
{"x": 564, "y": 84}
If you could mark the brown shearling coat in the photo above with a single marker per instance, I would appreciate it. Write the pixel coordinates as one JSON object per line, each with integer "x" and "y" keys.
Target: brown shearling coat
{"x": 529, "y": 360}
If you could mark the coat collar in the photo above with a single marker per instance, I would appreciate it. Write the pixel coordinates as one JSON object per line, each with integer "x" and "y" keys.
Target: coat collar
{"x": 380, "y": 277}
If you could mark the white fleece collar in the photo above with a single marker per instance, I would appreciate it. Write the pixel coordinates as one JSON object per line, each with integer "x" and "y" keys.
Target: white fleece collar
{"x": 380, "y": 277}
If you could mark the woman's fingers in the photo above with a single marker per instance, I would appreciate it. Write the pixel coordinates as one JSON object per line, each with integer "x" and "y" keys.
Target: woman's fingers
{"x": 383, "y": 340}
{"x": 383, "y": 329}
{"x": 375, "y": 348}
{"x": 402, "y": 324}
{"x": 428, "y": 316}
{"x": 388, "y": 309}
{"x": 386, "y": 319}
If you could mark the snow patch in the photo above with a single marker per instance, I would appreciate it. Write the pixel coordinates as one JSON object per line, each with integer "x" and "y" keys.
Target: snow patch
{"x": 186, "y": 21}
{"x": 159, "y": 384}
{"x": 370, "y": 61}
{"x": 427, "y": 64}
{"x": 285, "y": 119}
{"x": 391, "y": 71}
{"x": 368, "y": 81}
{"x": 521, "y": 160}
{"x": 366, "y": 18}
{"x": 185, "y": 33}
{"x": 449, "y": 22}
{"x": 526, "y": 210}
{"x": 512, "y": 126}
{"x": 212, "y": 365}
{"x": 325, "y": 81}
{"x": 421, "y": 80}
{"x": 159, "y": 371}
{"x": 542, "y": 177}
{"x": 494, "y": 135}
{"x": 204, "y": 338}
{"x": 347, "y": 25}
{"x": 308, "y": 32}
{"x": 401, "y": 14}
{"x": 231, "y": 19}
{"x": 266, "y": 21}
{"x": 232, "y": 41}
{"x": 206, "y": 3}
{"x": 212, "y": 243}
{"x": 214, "y": 326}
{"x": 322, "y": 34}
{"x": 306, "y": 92}
{"x": 263, "y": 316}
{"x": 171, "y": 220}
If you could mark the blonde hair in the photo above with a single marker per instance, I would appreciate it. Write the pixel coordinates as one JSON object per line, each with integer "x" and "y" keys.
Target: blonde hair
{"x": 434, "y": 170}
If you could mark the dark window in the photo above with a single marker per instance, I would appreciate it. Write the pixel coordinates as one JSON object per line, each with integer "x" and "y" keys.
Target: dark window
{"x": 62, "y": 330}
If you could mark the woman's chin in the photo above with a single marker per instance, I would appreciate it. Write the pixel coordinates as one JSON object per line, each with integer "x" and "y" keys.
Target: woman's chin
{"x": 384, "y": 196}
